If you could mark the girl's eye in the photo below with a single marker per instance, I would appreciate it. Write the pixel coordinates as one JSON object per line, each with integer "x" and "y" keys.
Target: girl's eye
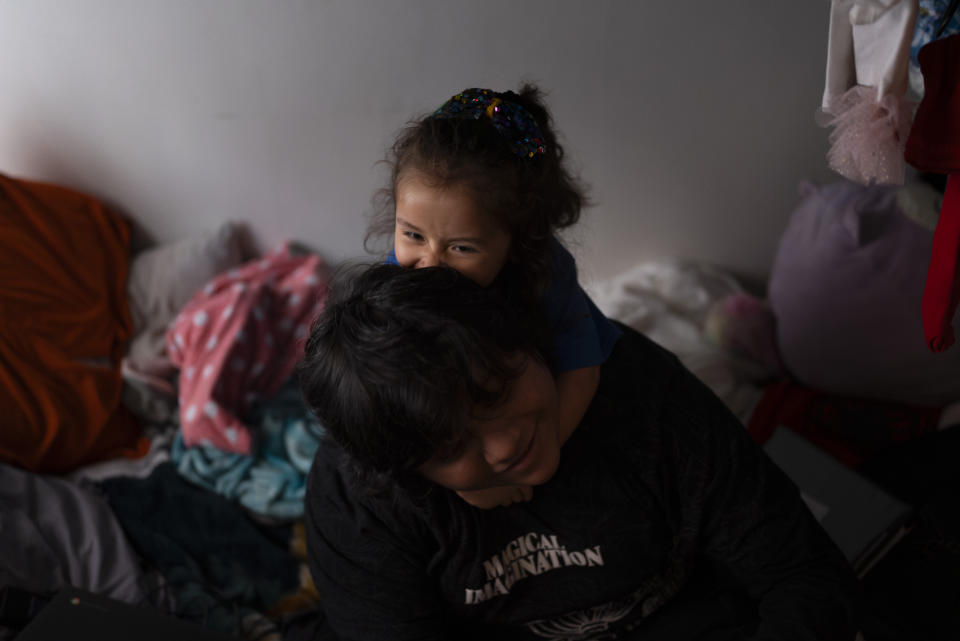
{"x": 412, "y": 235}
{"x": 463, "y": 249}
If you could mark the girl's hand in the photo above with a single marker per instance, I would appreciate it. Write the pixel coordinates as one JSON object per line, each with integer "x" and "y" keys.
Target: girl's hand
{"x": 496, "y": 496}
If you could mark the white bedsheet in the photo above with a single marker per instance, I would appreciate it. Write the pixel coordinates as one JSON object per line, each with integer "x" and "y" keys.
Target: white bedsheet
{"x": 668, "y": 301}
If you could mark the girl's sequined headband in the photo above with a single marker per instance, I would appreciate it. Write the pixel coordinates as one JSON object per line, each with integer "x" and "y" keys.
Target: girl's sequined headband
{"x": 510, "y": 119}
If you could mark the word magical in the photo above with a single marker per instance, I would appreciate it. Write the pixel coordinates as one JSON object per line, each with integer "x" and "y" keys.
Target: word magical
{"x": 528, "y": 555}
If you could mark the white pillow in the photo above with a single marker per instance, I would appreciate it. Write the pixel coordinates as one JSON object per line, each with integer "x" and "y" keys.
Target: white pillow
{"x": 163, "y": 279}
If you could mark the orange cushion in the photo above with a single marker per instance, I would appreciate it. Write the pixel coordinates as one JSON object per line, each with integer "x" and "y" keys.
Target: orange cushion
{"x": 64, "y": 325}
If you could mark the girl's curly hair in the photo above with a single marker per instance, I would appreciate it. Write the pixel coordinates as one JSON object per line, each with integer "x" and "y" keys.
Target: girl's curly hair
{"x": 531, "y": 197}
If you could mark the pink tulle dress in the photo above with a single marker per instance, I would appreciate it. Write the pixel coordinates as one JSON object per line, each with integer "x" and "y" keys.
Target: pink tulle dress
{"x": 868, "y": 137}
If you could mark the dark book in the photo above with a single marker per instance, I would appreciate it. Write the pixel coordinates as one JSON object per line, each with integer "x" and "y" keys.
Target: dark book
{"x": 861, "y": 518}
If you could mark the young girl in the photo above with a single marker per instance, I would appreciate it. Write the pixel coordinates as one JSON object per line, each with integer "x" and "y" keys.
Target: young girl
{"x": 480, "y": 186}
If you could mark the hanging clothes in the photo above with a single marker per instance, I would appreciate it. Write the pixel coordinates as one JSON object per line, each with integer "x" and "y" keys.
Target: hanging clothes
{"x": 934, "y": 146}
{"x": 931, "y": 17}
{"x": 866, "y": 83}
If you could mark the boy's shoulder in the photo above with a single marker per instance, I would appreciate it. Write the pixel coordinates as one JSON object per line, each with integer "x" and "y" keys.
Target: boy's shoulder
{"x": 639, "y": 382}
{"x": 646, "y": 360}
{"x": 635, "y": 378}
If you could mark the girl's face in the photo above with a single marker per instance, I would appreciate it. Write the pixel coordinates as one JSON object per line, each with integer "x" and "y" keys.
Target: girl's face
{"x": 515, "y": 443}
{"x": 436, "y": 226}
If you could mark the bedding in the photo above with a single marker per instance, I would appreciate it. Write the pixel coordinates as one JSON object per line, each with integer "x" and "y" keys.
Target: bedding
{"x": 122, "y": 520}
{"x": 206, "y": 532}
{"x": 238, "y": 340}
{"x": 162, "y": 280}
{"x": 676, "y": 302}
{"x": 670, "y": 302}
{"x": 55, "y": 533}
{"x": 271, "y": 481}
{"x": 64, "y": 329}
{"x": 220, "y": 567}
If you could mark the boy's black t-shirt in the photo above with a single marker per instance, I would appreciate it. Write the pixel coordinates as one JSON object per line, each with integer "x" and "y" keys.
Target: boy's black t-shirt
{"x": 659, "y": 491}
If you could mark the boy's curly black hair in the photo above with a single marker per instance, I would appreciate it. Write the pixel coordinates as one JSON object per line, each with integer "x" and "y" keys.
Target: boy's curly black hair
{"x": 531, "y": 197}
{"x": 400, "y": 358}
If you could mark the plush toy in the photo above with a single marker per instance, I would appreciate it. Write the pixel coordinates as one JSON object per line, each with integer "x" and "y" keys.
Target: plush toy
{"x": 846, "y": 287}
{"x": 744, "y": 325}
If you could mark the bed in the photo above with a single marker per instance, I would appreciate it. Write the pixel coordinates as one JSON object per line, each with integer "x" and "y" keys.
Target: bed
{"x": 155, "y": 444}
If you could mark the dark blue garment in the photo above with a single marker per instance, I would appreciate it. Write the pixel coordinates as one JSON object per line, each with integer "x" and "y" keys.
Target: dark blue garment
{"x": 218, "y": 564}
{"x": 582, "y": 335}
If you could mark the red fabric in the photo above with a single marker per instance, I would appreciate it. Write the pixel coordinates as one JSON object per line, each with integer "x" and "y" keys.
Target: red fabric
{"x": 934, "y": 141}
{"x": 64, "y": 326}
{"x": 850, "y": 429}
{"x": 934, "y": 146}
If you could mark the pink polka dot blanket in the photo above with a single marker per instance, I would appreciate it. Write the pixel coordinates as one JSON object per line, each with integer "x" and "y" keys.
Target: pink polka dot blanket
{"x": 238, "y": 340}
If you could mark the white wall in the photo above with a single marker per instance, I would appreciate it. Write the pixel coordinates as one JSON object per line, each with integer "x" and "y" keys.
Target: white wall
{"x": 693, "y": 121}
